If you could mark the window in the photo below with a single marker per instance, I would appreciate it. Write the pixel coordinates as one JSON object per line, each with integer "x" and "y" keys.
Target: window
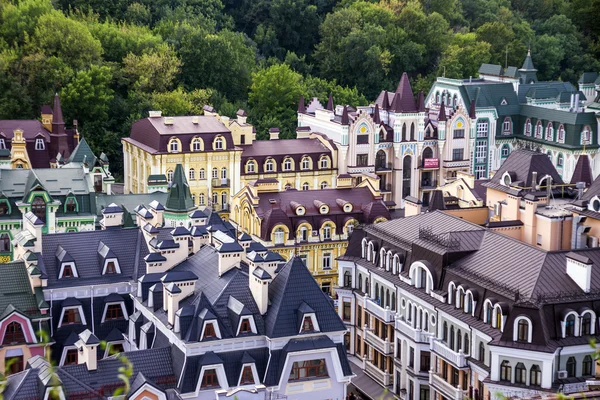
{"x": 308, "y": 369}
{"x": 2, "y": 144}
{"x": 71, "y": 316}
{"x": 13, "y": 364}
{"x": 538, "y": 130}
{"x": 523, "y": 330}
{"x": 586, "y": 324}
{"x": 459, "y": 133}
{"x": 347, "y": 311}
{"x": 215, "y": 199}
{"x": 4, "y": 242}
{"x": 586, "y": 366}
{"x": 202, "y": 174}
{"x": 201, "y": 197}
{"x": 251, "y": 166}
{"x": 110, "y": 268}
{"x": 209, "y": 331}
{"x": 326, "y": 261}
{"x": 535, "y": 375}
{"x": 571, "y": 367}
{"x": 520, "y": 373}
{"x": 215, "y": 173}
{"x": 362, "y": 160}
{"x": 247, "y": 376}
{"x": 115, "y": 348}
{"x": 192, "y": 174}
{"x": 326, "y": 232}
{"x": 561, "y": 134}
{"x": 528, "y": 128}
{"x": 113, "y": 312}
{"x": 445, "y": 332}
{"x": 570, "y": 326}
{"x": 507, "y": 126}
{"x": 223, "y": 173}
{"x": 209, "y": 379}
{"x": 170, "y": 176}
{"x": 559, "y": 160}
{"x": 173, "y": 146}
{"x": 14, "y": 334}
{"x": 480, "y": 151}
{"x": 549, "y": 132}
{"x": 585, "y": 135}
{"x": 269, "y": 166}
{"x": 481, "y": 352}
{"x": 279, "y": 236}
{"x": 39, "y": 144}
{"x": 38, "y": 207}
{"x": 287, "y": 164}
{"x": 323, "y": 185}
{"x": 71, "y": 205}
{"x": 307, "y": 324}
{"x": 457, "y": 154}
{"x": 71, "y": 357}
{"x": 219, "y": 144}
{"x": 67, "y": 271}
{"x": 197, "y": 144}
{"x": 326, "y": 288}
{"x": 505, "y": 371}
{"x": 245, "y": 326}
{"x": 306, "y": 163}
{"x": 324, "y": 163}
{"x": 305, "y": 186}
{"x": 4, "y": 210}
{"x": 451, "y": 340}
{"x": 505, "y": 151}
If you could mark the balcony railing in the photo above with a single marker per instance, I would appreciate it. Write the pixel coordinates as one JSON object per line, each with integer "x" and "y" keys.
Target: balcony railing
{"x": 446, "y": 389}
{"x": 385, "y": 187}
{"x": 357, "y": 169}
{"x": 382, "y": 377}
{"x": 216, "y": 182}
{"x": 456, "y": 163}
{"x": 417, "y": 335}
{"x": 383, "y": 346}
{"x": 429, "y": 185}
{"x": 457, "y": 358}
{"x": 384, "y": 314}
{"x": 383, "y": 166}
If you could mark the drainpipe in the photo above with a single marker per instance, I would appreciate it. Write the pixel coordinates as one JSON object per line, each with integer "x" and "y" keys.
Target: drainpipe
{"x": 92, "y": 298}
{"x": 51, "y": 324}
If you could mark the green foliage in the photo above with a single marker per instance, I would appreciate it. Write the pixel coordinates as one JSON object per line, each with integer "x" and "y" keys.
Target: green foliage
{"x": 153, "y": 71}
{"x": 87, "y": 96}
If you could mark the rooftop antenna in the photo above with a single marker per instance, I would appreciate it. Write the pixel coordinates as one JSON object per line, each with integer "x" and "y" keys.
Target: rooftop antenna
{"x": 506, "y": 62}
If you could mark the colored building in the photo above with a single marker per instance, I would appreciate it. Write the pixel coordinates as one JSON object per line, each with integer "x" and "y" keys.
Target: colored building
{"x": 312, "y": 224}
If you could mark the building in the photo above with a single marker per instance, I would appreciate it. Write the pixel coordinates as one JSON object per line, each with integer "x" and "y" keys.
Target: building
{"x": 312, "y": 224}
{"x": 34, "y": 144}
{"x": 438, "y": 307}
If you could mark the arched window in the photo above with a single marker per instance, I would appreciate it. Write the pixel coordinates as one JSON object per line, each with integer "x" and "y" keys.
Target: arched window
{"x": 251, "y": 167}
{"x": 192, "y": 174}
{"x": 377, "y": 292}
{"x": 287, "y": 164}
{"x": 174, "y": 145}
{"x": 279, "y": 236}
{"x": 586, "y": 366}
{"x": 466, "y": 344}
{"x": 425, "y": 324}
{"x": 305, "y": 162}
{"x": 223, "y": 173}
{"x": 586, "y": 324}
{"x": 586, "y": 137}
{"x": 538, "y": 130}
{"x": 535, "y": 375}
{"x": 469, "y": 303}
{"x": 269, "y": 166}
{"x": 507, "y": 126}
{"x": 523, "y": 330}
{"x": 481, "y": 352}
{"x": 364, "y": 246}
{"x": 14, "y": 334}
{"x": 460, "y": 303}
{"x": 451, "y": 339}
{"x": 560, "y": 160}
{"x": 170, "y": 176}
{"x": 505, "y": 371}
{"x": 71, "y": 205}
{"x": 387, "y": 297}
{"x": 459, "y": 341}
{"x": 497, "y": 317}
{"x": 451, "y": 290}
{"x": 561, "y": 134}
{"x": 487, "y": 312}
{"x": 202, "y": 174}
{"x": 219, "y": 143}
{"x": 323, "y": 185}
{"x": 404, "y": 132}
{"x": 4, "y": 242}
{"x": 412, "y": 132}
{"x": 324, "y": 162}
{"x": 201, "y": 199}
{"x": 570, "y": 325}
{"x": 571, "y": 367}
{"x": 445, "y": 332}
{"x": 549, "y": 132}
{"x": 437, "y": 97}
{"x": 393, "y": 301}
{"x": 520, "y": 373}
{"x": 305, "y": 186}
{"x": 38, "y": 207}
{"x": 528, "y": 127}
{"x": 197, "y": 144}
{"x": 360, "y": 283}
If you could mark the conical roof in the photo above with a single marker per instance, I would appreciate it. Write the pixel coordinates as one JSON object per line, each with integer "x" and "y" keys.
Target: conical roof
{"x": 345, "y": 116}
{"x": 301, "y": 106}
{"x": 442, "y": 114}
{"x": 421, "y": 101}
{"x": 386, "y": 102}
{"x": 404, "y": 101}
{"x": 583, "y": 171}
{"x": 180, "y": 197}
{"x": 58, "y": 124}
{"x": 528, "y": 63}
{"x": 376, "y": 117}
{"x": 330, "y": 102}
{"x": 82, "y": 153}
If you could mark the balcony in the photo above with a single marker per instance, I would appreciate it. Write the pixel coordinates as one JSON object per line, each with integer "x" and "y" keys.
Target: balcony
{"x": 383, "y": 166}
{"x": 385, "y": 187}
{"x": 458, "y": 359}
{"x": 380, "y": 376}
{"x": 220, "y": 183}
{"x": 415, "y": 334}
{"x": 428, "y": 185}
{"x": 359, "y": 169}
{"x": 446, "y": 389}
{"x": 383, "y": 346}
{"x": 384, "y": 314}
{"x": 456, "y": 164}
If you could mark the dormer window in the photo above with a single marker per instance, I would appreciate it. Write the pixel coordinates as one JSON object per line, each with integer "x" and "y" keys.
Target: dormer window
{"x": 287, "y": 164}
{"x": 39, "y": 144}
{"x": 324, "y": 162}
{"x": 219, "y": 143}
{"x": 68, "y": 270}
{"x": 209, "y": 379}
{"x": 209, "y": 331}
{"x": 570, "y": 325}
{"x": 307, "y": 324}
{"x": 70, "y": 205}
{"x": 110, "y": 268}
{"x": 245, "y": 326}
{"x": 14, "y": 334}
{"x": 507, "y": 126}
{"x": 38, "y": 207}
{"x": 549, "y": 132}
{"x": 4, "y": 208}
{"x": 174, "y": 146}
{"x": 528, "y": 127}
{"x": 197, "y": 144}
{"x": 269, "y": 166}
{"x": 326, "y": 232}
{"x": 71, "y": 316}
{"x": 522, "y": 331}
{"x": 247, "y": 376}
{"x": 561, "y": 133}
{"x": 585, "y": 135}
{"x": 250, "y": 167}
{"x": 305, "y": 163}
{"x": 308, "y": 369}
{"x": 538, "y": 130}
{"x": 2, "y": 144}
{"x": 113, "y": 312}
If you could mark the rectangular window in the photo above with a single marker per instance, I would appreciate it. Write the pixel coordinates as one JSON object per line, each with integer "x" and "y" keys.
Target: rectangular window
{"x": 480, "y": 151}
{"x": 247, "y": 377}
{"x": 243, "y": 139}
{"x": 362, "y": 160}
{"x": 480, "y": 171}
{"x": 411, "y": 357}
{"x": 114, "y": 311}
{"x": 539, "y": 240}
{"x": 71, "y": 316}
{"x": 457, "y": 154}
{"x": 459, "y": 133}
{"x": 209, "y": 379}
{"x": 326, "y": 261}
{"x": 359, "y": 316}
{"x": 326, "y": 288}
{"x": 308, "y": 370}
{"x": 425, "y": 361}
{"x": 71, "y": 357}
{"x": 482, "y": 129}
{"x": 347, "y": 311}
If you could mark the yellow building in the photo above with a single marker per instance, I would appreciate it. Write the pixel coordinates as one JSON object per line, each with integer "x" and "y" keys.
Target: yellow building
{"x": 315, "y": 224}
{"x": 207, "y": 146}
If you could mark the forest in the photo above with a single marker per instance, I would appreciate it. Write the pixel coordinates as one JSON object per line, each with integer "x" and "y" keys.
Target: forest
{"x": 112, "y": 61}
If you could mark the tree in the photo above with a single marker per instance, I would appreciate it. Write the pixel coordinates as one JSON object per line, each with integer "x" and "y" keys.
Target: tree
{"x": 463, "y": 57}
{"x": 19, "y": 19}
{"x": 120, "y": 39}
{"x": 155, "y": 70}
{"x": 86, "y": 98}
{"x": 180, "y": 102}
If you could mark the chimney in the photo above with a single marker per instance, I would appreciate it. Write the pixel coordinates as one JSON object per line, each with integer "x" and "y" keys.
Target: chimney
{"x": 241, "y": 116}
{"x": 195, "y": 120}
{"x": 34, "y": 225}
{"x": 273, "y": 133}
{"x": 155, "y": 114}
{"x": 169, "y": 120}
{"x": 259, "y": 286}
{"x": 577, "y": 102}
{"x": 534, "y": 182}
{"x": 579, "y": 268}
{"x": 112, "y": 216}
{"x": 87, "y": 346}
{"x": 171, "y": 295}
{"x": 157, "y": 210}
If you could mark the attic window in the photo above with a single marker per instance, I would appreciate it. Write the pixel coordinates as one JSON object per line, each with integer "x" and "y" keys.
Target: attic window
{"x": 14, "y": 334}
{"x": 68, "y": 270}
{"x": 4, "y": 208}
{"x": 209, "y": 331}
{"x": 503, "y": 102}
{"x": 307, "y": 324}
{"x": 114, "y": 312}
{"x": 209, "y": 379}
{"x": 308, "y": 369}
{"x": 71, "y": 316}
{"x": 247, "y": 376}
{"x": 71, "y": 205}
{"x": 39, "y": 144}
{"x": 246, "y": 326}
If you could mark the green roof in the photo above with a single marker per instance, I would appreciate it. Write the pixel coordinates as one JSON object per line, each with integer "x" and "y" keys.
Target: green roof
{"x": 588, "y": 77}
{"x": 490, "y": 95}
{"x": 15, "y": 290}
{"x": 561, "y": 116}
{"x": 528, "y": 63}
{"x": 82, "y": 152}
{"x": 180, "y": 197}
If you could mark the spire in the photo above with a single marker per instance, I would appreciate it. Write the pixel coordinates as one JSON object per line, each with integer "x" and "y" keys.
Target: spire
{"x": 583, "y": 171}
{"x": 528, "y": 63}
{"x": 330, "y": 102}
{"x": 386, "y": 102}
{"x": 407, "y": 98}
{"x": 180, "y": 197}
{"x": 396, "y": 103}
{"x": 421, "y": 102}
{"x": 376, "y": 118}
{"x": 442, "y": 114}
{"x": 58, "y": 124}
{"x": 345, "y": 117}
{"x": 301, "y": 107}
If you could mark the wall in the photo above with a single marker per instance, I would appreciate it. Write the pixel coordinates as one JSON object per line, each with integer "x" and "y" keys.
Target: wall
{"x": 478, "y": 215}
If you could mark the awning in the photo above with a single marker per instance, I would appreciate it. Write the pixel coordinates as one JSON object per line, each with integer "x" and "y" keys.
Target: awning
{"x": 368, "y": 386}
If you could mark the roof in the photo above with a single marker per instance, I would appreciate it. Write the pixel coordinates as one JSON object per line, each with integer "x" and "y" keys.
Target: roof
{"x": 588, "y": 77}
{"x": 82, "y": 153}
{"x": 583, "y": 171}
{"x": 15, "y": 290}
{"x": 180, "y": 197}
